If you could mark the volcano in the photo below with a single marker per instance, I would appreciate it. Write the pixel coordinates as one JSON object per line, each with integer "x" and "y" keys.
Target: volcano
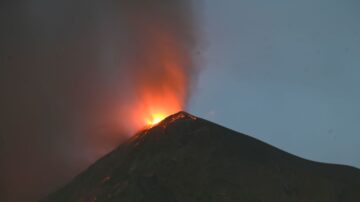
{"x": 185, "y": 158}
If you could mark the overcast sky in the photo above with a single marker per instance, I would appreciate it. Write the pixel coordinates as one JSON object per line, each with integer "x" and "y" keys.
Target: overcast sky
{"x": 285, "y": 72}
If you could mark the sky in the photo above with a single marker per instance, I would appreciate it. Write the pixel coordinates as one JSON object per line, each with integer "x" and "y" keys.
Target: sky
{"x": 285, "y": 72}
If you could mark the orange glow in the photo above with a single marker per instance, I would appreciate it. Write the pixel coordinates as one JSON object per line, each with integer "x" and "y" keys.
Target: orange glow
{"x": 155, "y": 105}
{"x": 155, "y": 119}
{"x": 161, "y": 82}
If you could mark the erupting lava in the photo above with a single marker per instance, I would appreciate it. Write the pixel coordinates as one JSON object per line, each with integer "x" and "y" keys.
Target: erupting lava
{"x": 163, "y": 90}
{"x": 155, "y": 119}
{"x": 162, "y": 62}
{"x": 151, "y": 110}
{"x": 155, "y": 105}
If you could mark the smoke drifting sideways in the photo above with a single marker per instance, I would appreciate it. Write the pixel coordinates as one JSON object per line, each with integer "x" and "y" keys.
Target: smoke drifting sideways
{"x": 76, "y": 75}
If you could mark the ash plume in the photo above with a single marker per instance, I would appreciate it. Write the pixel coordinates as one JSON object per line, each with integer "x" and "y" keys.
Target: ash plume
{"x": 72, "y": 73}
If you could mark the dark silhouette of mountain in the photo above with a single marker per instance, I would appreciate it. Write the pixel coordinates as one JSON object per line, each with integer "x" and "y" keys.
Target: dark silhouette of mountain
{"x": 186, "y": 159}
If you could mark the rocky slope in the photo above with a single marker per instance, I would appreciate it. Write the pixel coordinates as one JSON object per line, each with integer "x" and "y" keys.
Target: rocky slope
{"x": 186, "y": 159}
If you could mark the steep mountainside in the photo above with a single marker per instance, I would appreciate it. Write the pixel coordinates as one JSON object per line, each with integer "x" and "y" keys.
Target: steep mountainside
{"x": 186, "y": 159}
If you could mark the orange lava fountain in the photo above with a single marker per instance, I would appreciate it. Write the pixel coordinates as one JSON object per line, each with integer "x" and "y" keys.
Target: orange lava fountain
{"x": 162, "y": 92}
{"x": 163, "y": 62}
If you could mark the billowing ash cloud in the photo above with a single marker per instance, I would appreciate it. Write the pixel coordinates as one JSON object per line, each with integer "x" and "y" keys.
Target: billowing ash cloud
{"x": 74, "y": 77}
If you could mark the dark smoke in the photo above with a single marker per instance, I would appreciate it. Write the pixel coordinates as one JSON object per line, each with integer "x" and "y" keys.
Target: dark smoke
{"x": 65, "y": 67}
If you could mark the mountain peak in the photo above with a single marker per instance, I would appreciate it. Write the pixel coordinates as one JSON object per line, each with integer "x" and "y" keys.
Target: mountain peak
{"x": 181, "y": 115}
{"x": 179, "y": 124}
{"x": 185, "y": 158}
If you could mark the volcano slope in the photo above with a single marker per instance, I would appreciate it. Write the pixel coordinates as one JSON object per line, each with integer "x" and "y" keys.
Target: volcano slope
{"x": 186, "y": 159}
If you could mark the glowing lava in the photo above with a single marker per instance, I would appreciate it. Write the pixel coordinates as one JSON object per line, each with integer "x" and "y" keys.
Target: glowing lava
{"x": 163, "y": 66}
{"x": 155, "y": 119}
{"x": 162, "y": 89}
{"x": 153, "y": 104}
{"x": 153, "y": 107}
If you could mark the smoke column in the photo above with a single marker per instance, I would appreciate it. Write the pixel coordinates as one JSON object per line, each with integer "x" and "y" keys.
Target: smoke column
{"x": 161, "y": 58}
{"x": 78, "y": 77}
